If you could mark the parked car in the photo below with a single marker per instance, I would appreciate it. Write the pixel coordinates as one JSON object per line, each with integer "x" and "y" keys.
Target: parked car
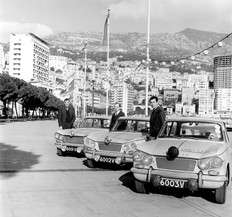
{"x": 71, "y": 140}
{"x": 117, "y": 146}
{"x": 191, "y": 153}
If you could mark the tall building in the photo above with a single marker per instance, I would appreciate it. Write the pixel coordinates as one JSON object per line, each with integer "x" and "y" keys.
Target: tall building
{"x": 223, "y": 72}
{"x": 223, "y": 82}
{"x": 2, "y": 59}
{"x": 206, "y": 102}
{"x": 29, "y": 57}
{"x": 122, "y": 93}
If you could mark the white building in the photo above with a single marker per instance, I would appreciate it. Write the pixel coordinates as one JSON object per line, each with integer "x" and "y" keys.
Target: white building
{"x": 124, "y": 94}
{"x": 29, "y": 57}
{"x": 223, "y": 100}
{"x": 206, "y": 102}
{"x": 188, "y": 94}
{"x": 2, "y": 59}
{"x": 58, "y": 62}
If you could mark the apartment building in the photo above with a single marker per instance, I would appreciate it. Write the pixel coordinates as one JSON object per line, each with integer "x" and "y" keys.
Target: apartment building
{"x": 58, "y": 62}
{"x": 2, "y": 59}
{"x": 124, "y": 94}
{"x": 29, "y": 57}
{"x": 206, "y": 102}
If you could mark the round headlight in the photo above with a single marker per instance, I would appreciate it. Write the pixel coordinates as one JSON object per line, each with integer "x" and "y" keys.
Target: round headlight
{"x": 61, "y": 137}
{"x": 57, "y": 135}
{"x": 209, "y": 163}
{"x": 216, "y": 162}
{"x": 147, "y": 160}
{"x": 137, "y": 156}
{"x": 86, "y": 141}
{"x": 204, "y": 164}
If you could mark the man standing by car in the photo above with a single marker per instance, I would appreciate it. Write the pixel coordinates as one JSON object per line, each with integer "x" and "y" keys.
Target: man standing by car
{"x": 117, "y": 114}
{"x": 157, "y": 117}
{"x": 66, "y": 115}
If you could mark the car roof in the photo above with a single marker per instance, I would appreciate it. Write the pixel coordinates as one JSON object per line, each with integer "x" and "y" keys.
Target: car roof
{"x": 135, "y": 118}
{"x": 196, "y": 119}
{"x": 98, "y": 117}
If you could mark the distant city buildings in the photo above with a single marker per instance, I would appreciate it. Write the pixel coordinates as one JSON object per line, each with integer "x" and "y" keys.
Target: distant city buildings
{"x": 197, "y": 93}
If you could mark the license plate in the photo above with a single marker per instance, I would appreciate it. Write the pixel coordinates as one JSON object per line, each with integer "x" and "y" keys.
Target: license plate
{"x": 68, "y": 148}
{"x": 107, "y": 160}
{"x": 174, "y": 183}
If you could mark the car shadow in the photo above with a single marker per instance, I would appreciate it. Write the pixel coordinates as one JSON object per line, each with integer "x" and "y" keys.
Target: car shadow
{"x": 13, "y": 160}
{"x": 127, "y": 180}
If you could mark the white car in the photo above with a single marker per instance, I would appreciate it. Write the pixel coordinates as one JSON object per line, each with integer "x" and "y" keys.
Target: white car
{"x": 191, "y": 153}
{"x": 118, "y": 145}
{"x": 72, "y": 140}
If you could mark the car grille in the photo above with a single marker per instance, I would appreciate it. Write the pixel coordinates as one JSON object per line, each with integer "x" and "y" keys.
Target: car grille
{"x": 113, "y": 146}
{"x": 74, "y": 139}
{"x": 177, "y": 164}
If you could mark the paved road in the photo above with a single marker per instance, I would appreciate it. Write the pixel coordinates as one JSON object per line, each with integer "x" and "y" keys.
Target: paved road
{"x": 35, "y": 182}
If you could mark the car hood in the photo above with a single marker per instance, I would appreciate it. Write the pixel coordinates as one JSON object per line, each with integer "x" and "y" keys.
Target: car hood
{"x": 81, "y": 131}
{"x": 118, "y": 137}
{"x": 187, "y": 147}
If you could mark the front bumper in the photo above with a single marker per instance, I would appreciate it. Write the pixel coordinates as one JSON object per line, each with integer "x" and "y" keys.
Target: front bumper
{"x": 91, "y": 154}
{"x": 203, "y": 181}
{"x": 65, "y": 146}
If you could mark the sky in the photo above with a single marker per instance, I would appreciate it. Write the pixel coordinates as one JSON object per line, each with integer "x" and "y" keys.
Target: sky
{"x": 45, "y": 17}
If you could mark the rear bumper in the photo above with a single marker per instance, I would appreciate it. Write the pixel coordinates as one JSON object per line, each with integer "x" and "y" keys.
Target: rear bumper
{"x": 203, "y": 181}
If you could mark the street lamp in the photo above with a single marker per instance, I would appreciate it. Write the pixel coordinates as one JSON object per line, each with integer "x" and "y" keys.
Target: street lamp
{"x": 93, "y": 82}
{"x": 84, "y": 108}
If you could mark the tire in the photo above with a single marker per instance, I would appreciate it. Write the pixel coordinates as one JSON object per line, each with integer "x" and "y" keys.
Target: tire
{"x": 220, "y": 193}
{"x": 91, "y": 163}
{"x": 141, "y": 187}
{"x": 59, "y": 152}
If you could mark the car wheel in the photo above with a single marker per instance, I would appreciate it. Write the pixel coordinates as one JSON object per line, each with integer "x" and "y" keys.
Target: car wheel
{"x": 91, "y": 163}
{"x": 220, "y": 193}
{"x": 59, "y": 152}
{"x": 141, "y": 187}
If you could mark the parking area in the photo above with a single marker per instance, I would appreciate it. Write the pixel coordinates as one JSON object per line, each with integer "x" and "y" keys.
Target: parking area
{"x": 35, "y": 182}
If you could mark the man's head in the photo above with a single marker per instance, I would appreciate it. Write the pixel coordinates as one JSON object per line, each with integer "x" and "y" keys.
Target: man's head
{"x": 66, "y": 102}
{"x": 154, "y": 101}
{"x": 117, "y": 107}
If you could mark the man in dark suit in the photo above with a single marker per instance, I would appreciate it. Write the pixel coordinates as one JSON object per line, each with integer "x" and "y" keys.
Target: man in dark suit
{"x": 118, "y": 113}
{"x": 66, "y": 115}
{"x": 157, "y": 117}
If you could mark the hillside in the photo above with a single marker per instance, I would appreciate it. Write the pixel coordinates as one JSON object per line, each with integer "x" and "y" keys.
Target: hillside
{"x": 164, "y": 46}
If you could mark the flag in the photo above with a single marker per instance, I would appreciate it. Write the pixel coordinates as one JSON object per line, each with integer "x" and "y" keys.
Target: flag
{"x": 84, "y": 46}
{"x": 105, "y": 32}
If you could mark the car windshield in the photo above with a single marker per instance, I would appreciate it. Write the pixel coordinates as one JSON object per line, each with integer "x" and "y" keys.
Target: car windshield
{"x": 191, "y": 129}
{"x": 132, "y": 126}
{"x": 95, "y": 123}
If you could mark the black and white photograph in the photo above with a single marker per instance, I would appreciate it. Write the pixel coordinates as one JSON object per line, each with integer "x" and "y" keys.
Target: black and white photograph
{"x": 115, "y": 108}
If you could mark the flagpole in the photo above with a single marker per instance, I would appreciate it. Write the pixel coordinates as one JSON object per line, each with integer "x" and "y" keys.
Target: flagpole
{"x": 148, "y": 60}
{"x": 108, "y": 62}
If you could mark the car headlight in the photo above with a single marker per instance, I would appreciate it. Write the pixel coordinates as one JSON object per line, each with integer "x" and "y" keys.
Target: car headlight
{"x": 57, "y": 135}
{"x": 142, "y": 157}
{"x": 90, "y": 143}
{"x": 210, "y": 163}
{"x": 137, "y": 156}
{"x": 128, "y": 147}
{"x": 147, "y": 160}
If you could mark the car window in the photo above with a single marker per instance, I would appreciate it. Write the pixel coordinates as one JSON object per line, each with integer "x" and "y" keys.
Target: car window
{"x": 95, "y": 123}
{"x": 199, "y": 130}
